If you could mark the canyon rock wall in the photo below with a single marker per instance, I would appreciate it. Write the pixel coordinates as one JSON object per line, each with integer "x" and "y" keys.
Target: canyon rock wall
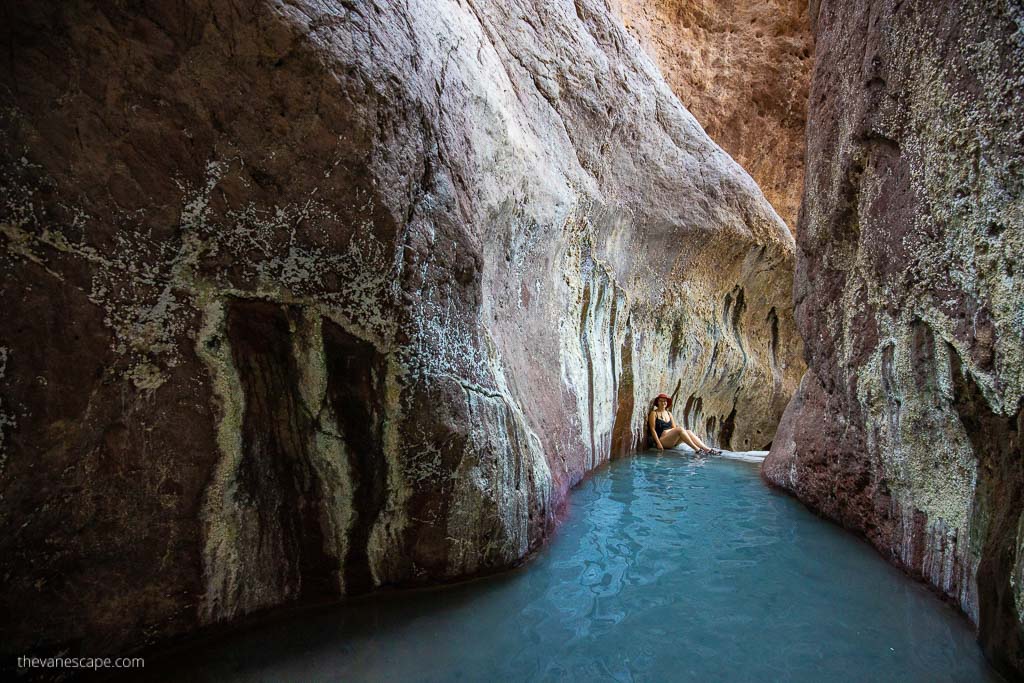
{"x": 305, "y": 299}
{"x": 908, "y": 424}
{"x": 742, "y": 68}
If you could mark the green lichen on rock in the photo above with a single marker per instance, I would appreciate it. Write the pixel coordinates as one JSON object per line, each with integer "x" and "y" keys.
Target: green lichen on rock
{"x": 223, "y": 568}
{"x": 354, "y": 302}
{"x": 908, "y": 291}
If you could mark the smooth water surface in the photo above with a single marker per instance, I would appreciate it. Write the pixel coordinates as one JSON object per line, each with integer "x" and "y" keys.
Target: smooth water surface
{"x": 664, "y": 569}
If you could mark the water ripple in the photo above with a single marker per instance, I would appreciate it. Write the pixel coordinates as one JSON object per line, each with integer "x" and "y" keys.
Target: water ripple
{"x": 666, "y": 569}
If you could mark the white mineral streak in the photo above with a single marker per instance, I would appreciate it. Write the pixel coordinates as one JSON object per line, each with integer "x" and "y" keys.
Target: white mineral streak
{"x": 920, "y": 432}
{"x": 226, "y": 572}
{"x": 574, "y": 245}
{"x": 915, "y": 166}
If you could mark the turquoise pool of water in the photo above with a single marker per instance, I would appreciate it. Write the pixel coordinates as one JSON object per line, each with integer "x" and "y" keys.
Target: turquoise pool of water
{"x": 664, "y": 569}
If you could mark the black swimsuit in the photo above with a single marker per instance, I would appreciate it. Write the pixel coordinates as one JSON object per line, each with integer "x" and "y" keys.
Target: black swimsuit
{"x": 660, "y": 425}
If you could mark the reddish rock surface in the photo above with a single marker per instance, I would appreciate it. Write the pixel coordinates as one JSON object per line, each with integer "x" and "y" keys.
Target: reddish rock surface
{"x": 303, "y": 299}
{"x": 743, "y": 68}
{"x": 907, "y": 426}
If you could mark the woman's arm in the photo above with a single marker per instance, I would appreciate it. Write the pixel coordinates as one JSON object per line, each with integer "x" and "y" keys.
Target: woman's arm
{"x": 654, "y": 432}
{"x": 672, "y": 418}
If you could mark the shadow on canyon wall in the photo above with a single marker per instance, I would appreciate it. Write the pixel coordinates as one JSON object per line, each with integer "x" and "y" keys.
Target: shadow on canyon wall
{"x": 907, "y": 426}
{"x": 302, "y": 300}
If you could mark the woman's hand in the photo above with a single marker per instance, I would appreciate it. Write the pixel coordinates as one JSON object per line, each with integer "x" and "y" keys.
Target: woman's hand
{"x": 660, "y": 447}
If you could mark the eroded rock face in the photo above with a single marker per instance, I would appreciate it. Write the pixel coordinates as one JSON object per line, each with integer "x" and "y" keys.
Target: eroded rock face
{"x": 743, "y": 68}
{"x": 907, "y": 426}
{"x": 306, "y": 300}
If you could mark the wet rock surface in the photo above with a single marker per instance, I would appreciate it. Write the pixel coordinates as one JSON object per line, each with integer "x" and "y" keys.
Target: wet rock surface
{"x": 907, "y": 426}
{"x": 304, "y": 300}
{"x": 743, "y": 69}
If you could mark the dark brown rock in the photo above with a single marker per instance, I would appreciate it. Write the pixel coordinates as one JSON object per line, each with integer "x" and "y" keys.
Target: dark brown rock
{"x": 908, "y": 298}
{"x": 301, "y": 300}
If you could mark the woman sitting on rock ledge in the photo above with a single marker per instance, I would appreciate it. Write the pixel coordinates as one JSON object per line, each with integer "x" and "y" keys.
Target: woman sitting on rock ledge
{"x": 667, "y": 433}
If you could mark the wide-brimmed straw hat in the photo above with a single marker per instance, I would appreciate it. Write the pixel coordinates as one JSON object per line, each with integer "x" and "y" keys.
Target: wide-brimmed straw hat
{"x": 664, "y": 396}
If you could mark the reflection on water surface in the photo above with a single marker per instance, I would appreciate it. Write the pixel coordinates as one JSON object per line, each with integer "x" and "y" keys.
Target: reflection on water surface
{"x": 664, "y": 569}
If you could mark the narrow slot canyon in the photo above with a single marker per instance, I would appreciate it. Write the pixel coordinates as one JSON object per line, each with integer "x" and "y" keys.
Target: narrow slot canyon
{"x": 478, "y": 340}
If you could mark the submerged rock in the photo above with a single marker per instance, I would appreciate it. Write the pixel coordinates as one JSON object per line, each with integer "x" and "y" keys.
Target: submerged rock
{"x": 907, "y": 426}
{"x": 307, "y": 299}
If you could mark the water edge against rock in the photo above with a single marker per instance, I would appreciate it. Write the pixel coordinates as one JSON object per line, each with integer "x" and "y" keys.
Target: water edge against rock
{"x": 664, "y": 568}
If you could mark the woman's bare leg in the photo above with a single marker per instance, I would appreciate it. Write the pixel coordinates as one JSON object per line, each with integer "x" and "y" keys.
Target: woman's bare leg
{"x": 686, "y": 436}
{"x": 671, "y": 437}
{"x": 696, "y": 439}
